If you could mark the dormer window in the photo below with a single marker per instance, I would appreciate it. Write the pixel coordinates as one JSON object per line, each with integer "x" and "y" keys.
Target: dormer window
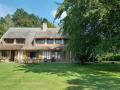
{"x": 50, "y": 41}
{"x": 58, "y": 41}
{"x": 20, "y": 41}
{"x": 40, "y": 41}
{"x": 9, "y": 41}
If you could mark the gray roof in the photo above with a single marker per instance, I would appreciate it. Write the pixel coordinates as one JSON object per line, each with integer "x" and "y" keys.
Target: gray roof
{"x": 38, "y": 33}
{"x": 29, "y": 34}
{"x": 50, "y": 33}
{"x": 10, "y": 47}
{"x": 20, "y": 32}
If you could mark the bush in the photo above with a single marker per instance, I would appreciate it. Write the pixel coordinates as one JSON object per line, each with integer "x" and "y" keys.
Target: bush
{"x": 111, "y": 58}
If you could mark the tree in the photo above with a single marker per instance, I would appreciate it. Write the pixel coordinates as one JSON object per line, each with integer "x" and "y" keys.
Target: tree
{"x": 5, "y": 23}
{"x": 21, "y": 18}
{"x": 88, "y": 23}
{"x": 8, "y": 21}
{"x": 24, "y": 19}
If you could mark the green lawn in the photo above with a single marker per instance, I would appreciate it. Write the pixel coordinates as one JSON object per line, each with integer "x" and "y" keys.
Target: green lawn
{"x": 59, "y": 77}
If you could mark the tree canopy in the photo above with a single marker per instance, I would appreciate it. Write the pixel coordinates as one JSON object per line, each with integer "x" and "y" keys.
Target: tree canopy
{"x": 91, "y": 25}
{"x": 21, "y": 18}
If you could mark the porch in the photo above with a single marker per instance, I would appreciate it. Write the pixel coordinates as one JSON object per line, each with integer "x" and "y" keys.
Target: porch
{"x": 44, "y": 56}
{"x": 35, "y": 56}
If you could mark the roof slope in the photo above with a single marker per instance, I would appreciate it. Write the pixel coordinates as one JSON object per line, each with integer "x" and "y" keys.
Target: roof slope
{"x": 20, "y": 32}
{"x": 29, "y": 34}
{"x": 38, "y": 33}
{"x": 49, "y": 33}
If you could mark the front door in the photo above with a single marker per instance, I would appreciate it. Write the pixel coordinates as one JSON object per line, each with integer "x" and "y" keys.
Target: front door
{"x": 12, "y": 56}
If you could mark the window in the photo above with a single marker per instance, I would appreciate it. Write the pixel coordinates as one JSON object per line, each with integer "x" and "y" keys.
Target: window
{"x": 49, "y": 41}
{"x": 58, "y": 41}
{"x": 20, "y": 41}
{"x": 47, "y": 54}
{"x": 40, "y": 41}
{"x": 4, "y": 54}
{"x": 10, "y": 41}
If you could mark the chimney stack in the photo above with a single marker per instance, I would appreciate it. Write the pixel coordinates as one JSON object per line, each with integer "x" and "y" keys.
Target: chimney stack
{"x": 44, "y": 26}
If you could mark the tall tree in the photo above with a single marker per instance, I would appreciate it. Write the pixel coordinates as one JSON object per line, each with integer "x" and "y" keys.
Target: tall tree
{"x": 88, "y": 23}
{"x": 8, "y": 21}
{"x": 24, "y": 19}
{"x": 21, "y": 18}
{"x": 5, "y": 23}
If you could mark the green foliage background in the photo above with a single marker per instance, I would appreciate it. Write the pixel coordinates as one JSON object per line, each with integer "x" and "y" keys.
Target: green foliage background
{"x": 93, "y": 27}
{"x": 21, "y": 18}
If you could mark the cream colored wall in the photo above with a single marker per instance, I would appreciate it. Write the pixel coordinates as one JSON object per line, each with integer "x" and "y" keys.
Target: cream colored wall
{"x": 40, "y": 56}
{"x": 19, "y": 56}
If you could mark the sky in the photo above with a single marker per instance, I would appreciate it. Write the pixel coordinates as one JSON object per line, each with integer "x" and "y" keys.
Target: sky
{"x": 41, "y": 8}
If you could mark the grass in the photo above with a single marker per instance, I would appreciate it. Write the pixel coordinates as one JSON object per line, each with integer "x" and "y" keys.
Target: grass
{"x": 59, "y": 77}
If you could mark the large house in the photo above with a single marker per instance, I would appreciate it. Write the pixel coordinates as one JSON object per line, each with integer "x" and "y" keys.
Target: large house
{"x": 25, "y": 45}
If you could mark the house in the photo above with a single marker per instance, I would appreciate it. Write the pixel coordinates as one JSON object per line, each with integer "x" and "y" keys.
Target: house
{"x": 27, "y": 45}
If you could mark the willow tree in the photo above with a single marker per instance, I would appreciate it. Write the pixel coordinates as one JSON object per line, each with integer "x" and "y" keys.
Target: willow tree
{"x": 87, "y": 24}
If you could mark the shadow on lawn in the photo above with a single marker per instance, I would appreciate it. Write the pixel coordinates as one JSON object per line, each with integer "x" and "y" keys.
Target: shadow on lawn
{"x": 59, "y": 69}
{"x": 92, "y": 83}
{"x": 91, "y": 77}
{"x": 97, "y": 77}
{"x": 64, "y": 68}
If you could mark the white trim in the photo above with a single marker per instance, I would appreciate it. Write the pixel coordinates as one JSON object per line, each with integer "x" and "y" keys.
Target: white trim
{"x": 62, "y": 41}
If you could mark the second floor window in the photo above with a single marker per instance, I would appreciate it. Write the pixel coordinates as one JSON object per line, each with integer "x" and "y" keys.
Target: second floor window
{"x": 49, "y": 41}
{"x": 20, "y": 41}
{"x": 58, "y": 41}
{"x": 40, "y": 41}
{"x": 9, "y": 41}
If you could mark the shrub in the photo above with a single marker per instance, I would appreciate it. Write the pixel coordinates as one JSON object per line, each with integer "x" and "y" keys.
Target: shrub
{"x": 111, "y": 58}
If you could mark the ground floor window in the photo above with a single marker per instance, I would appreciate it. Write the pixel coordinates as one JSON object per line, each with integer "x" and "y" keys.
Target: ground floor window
{"x": 57, "y": 55}
{"x": 4, "y": 53}
{"x": 46, "y": 54}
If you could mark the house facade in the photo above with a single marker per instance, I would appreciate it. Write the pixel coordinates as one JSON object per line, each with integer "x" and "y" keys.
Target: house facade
{"x": 32, "y": 45}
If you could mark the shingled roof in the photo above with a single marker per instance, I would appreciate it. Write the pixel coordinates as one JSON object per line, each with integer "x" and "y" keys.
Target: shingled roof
{"x": 20, "y": 32}
{"x": 10, "y": 47}
{"x": 29, "y": 34}
{"x": 49, "y": 33}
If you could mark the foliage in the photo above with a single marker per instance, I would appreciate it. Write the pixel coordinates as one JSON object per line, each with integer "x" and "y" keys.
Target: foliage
{"x": 5, "y": 23}
{"x": 44, "y": 20}
{"x": 90, "y": 26}
{"x": 109, "y": 57}
{"x": 21, "y": 18}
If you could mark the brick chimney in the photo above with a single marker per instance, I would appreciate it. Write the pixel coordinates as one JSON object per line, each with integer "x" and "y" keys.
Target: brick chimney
{"x": 44, "y": 26}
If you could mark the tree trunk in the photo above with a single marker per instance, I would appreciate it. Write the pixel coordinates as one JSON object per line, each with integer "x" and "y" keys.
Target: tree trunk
{"x": 82, "y": 61}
